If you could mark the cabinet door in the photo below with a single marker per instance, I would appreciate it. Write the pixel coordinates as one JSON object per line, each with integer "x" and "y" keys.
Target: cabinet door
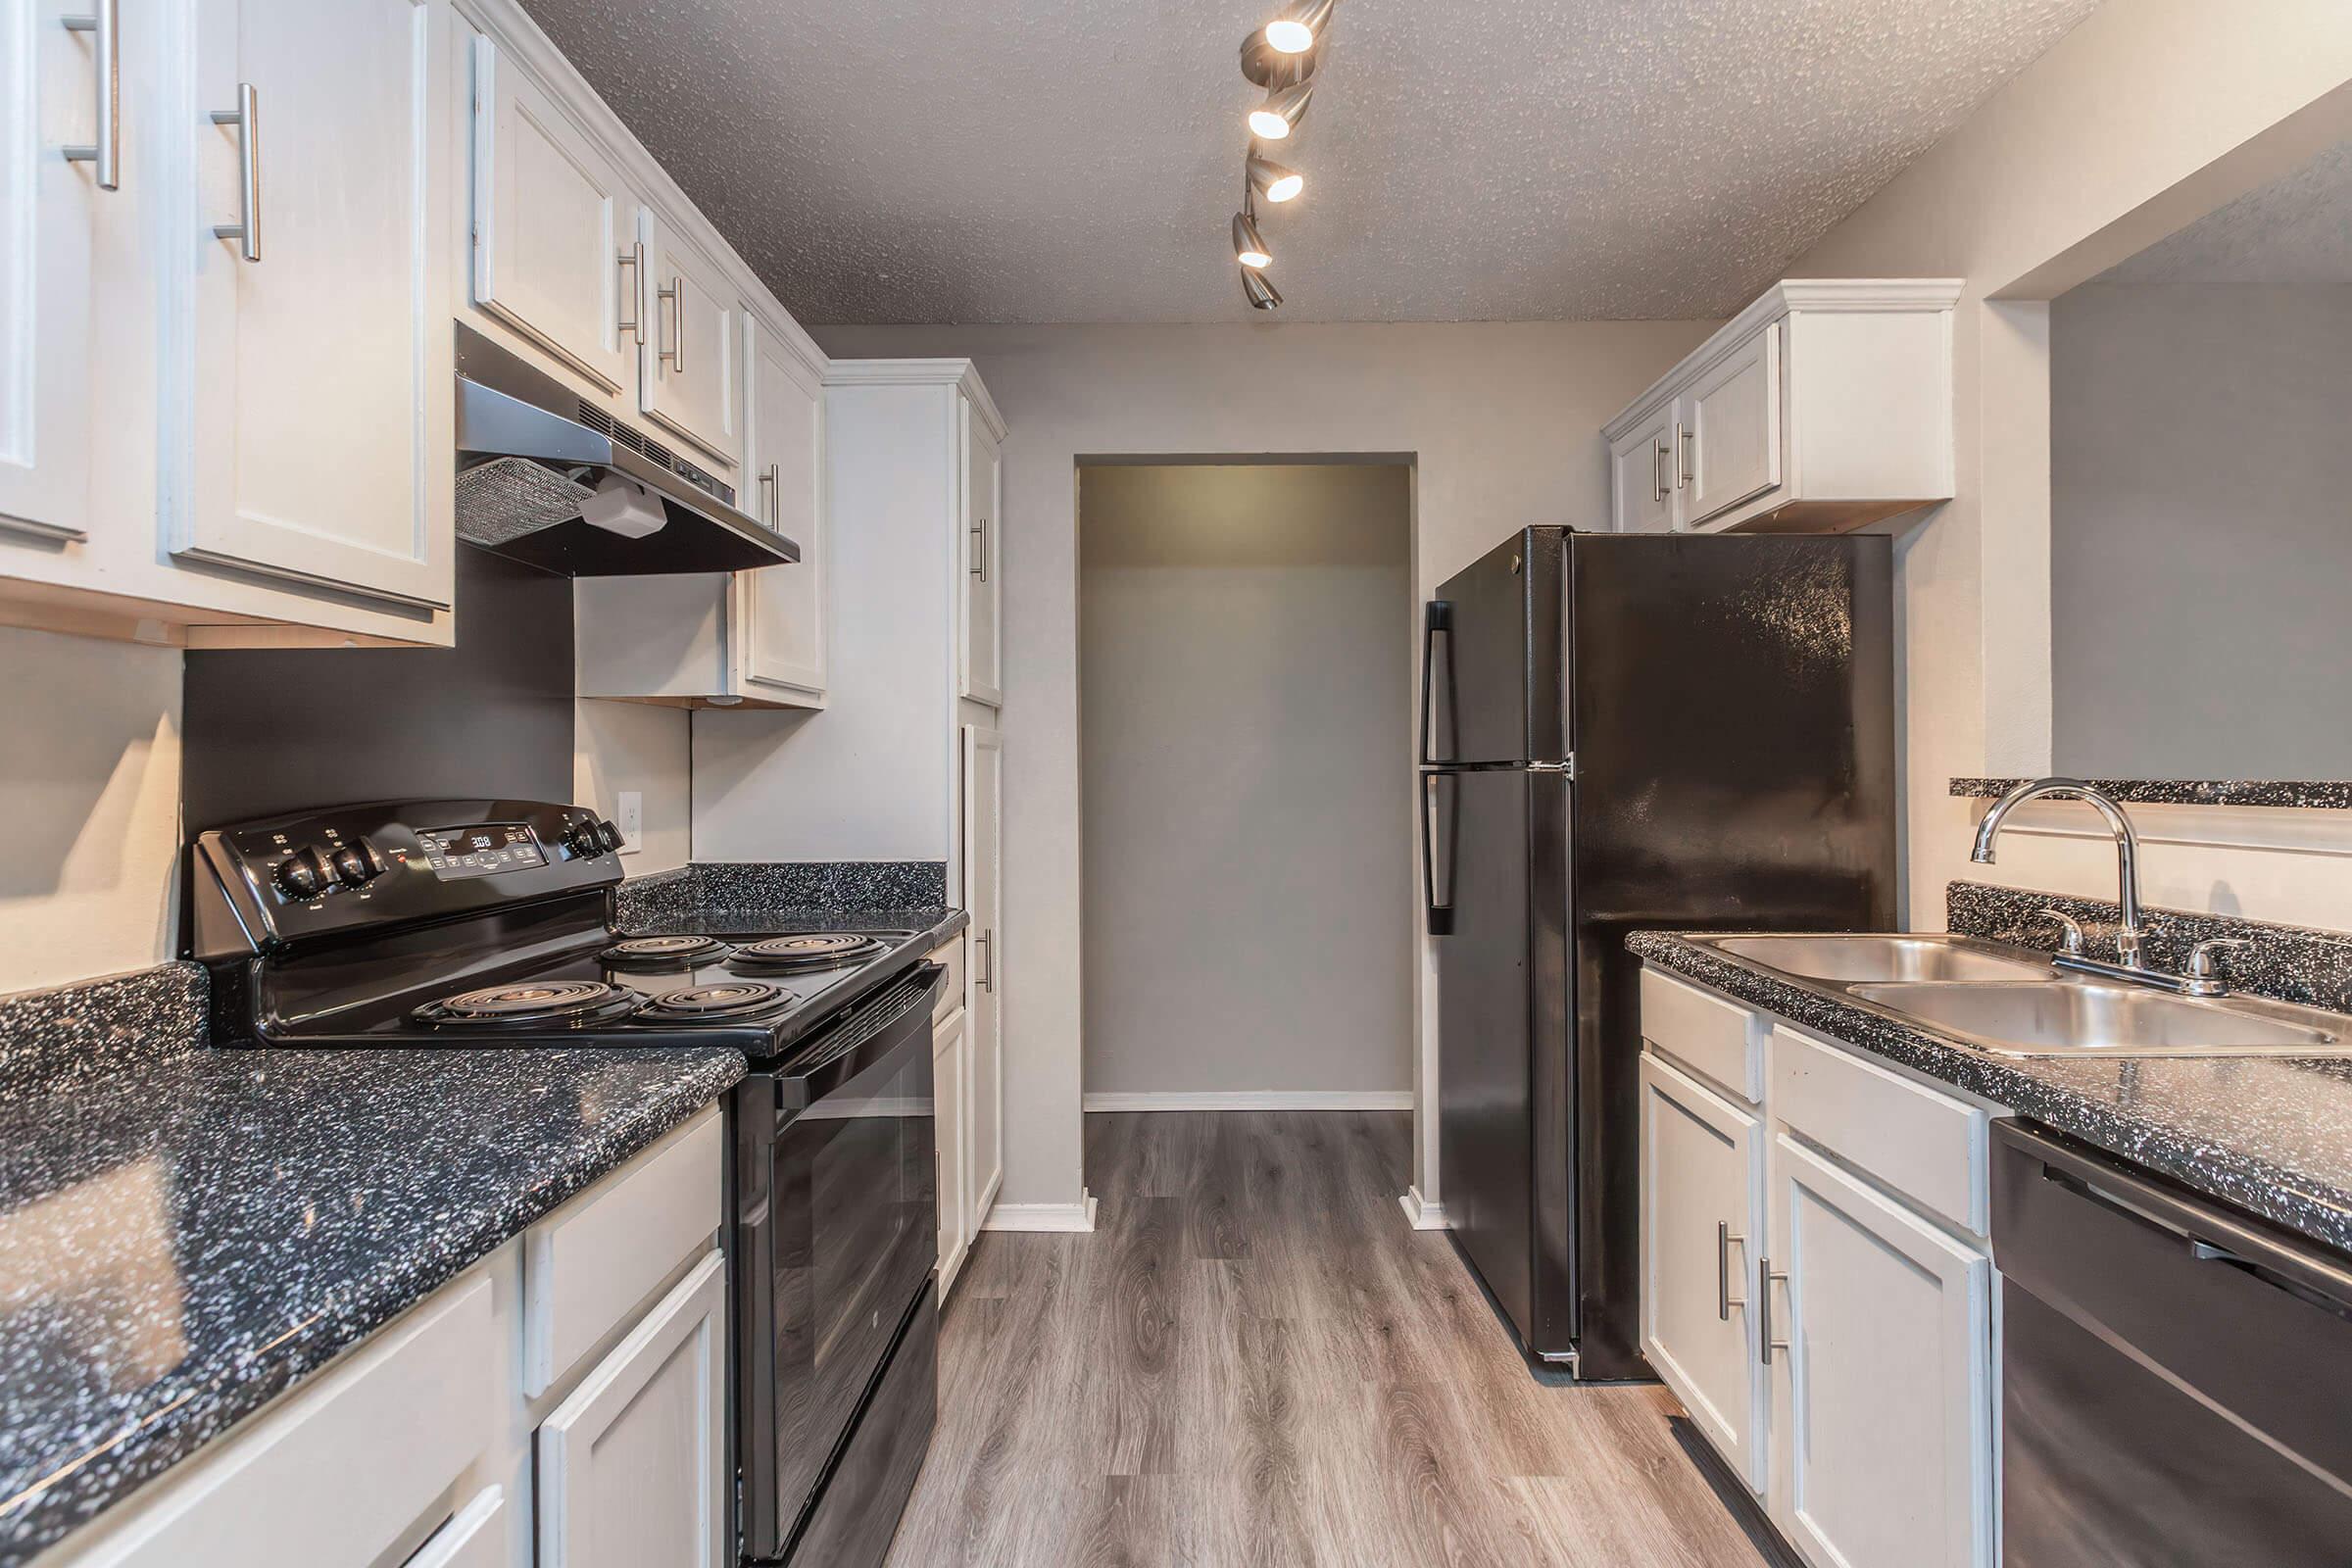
{"x": 475, "y": 1537}
{"x": 554, "y": 248}
{"x": 687, "y": 371}
{"x": 982, "y": 555}
{"x": 1881, "y": 1412}
{"x": 1642, "y": 477}
{"x": 1731, "y": 430}
{"x": 309, "y": 421}
{"x": 47, "y": 219}
{"x": 632, "y": 1466}
{"x": 1701, "y": 1177}
{"x": 983, "y": 850}
{"x": 951, "y": 1063}
{"x": 784, "y": 607}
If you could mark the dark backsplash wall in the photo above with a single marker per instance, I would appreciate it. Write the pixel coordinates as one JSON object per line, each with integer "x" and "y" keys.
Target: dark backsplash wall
{"x": 272, "y": 732}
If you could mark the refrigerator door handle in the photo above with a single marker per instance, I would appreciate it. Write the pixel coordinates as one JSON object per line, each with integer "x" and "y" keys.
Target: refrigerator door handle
{"x": 1438, "y": 911}
{"x": 1436, "y": 618}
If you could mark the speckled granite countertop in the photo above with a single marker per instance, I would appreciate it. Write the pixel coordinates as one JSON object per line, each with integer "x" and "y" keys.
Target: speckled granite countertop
{"x": 183, "y": 1238}
{"x": 2270, "y": 1135}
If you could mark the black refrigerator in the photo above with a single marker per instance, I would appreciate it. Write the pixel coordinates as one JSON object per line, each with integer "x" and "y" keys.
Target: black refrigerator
{"x": 1623, "y": 732}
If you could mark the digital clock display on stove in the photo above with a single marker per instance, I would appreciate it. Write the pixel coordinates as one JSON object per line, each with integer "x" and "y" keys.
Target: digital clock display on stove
{"x": 480, "y": 849}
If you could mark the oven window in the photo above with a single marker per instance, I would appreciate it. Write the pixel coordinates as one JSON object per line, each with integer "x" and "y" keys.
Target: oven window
{"x": 857, "y": 1234}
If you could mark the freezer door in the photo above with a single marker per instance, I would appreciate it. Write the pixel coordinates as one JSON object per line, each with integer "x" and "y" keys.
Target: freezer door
{"x": 1490, "y": 675}
{"x": 1504, "y": 1171}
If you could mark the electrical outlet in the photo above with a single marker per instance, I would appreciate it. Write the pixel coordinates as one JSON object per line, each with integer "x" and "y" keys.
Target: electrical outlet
{"x": 631, "y": 819}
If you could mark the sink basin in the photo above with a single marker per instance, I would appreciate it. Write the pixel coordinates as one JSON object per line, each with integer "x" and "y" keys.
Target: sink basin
{"x": 1849, "y": 960}
{"x": 2069, "y": 1018}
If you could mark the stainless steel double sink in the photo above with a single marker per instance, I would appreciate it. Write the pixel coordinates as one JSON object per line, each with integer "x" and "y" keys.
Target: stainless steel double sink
{"x": 2011, "y": 1001}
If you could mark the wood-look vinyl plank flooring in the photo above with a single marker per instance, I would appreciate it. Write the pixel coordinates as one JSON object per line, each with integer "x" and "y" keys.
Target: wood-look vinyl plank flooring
{"x": 1255, "y": 1362}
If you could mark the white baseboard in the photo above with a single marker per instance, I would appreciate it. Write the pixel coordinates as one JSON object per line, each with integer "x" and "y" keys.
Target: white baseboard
{"x": 1423, "y": 1215}
{"x": 1255, "y": 1100}
{"x": 1051, "y": 1217}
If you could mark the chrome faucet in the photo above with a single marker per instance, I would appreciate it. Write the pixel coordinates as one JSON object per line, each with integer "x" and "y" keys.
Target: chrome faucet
{"x": 2133, "y": 937}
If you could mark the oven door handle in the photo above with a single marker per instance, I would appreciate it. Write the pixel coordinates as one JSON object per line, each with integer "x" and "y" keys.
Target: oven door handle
{"x": 868, "y": 1041}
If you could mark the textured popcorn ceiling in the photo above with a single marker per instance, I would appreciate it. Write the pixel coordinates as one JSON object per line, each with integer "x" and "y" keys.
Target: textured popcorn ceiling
{"x": 2296, "y": 230}
{"x": 959, "y": 160}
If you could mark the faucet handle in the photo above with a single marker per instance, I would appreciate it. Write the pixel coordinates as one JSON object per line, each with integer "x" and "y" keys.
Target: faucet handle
{"x": 2200, "y": 957}
{"x": 2068, "y": 925}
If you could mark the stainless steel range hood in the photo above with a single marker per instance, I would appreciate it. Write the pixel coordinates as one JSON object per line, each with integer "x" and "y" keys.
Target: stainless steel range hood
{"x": 536, "y": 462}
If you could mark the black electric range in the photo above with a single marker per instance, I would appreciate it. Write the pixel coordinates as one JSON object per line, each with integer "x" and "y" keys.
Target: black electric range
{"x": 489, "y": 923}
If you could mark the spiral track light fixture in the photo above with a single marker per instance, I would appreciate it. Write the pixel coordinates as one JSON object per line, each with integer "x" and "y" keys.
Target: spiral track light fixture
{"x": 1284, "y": 56}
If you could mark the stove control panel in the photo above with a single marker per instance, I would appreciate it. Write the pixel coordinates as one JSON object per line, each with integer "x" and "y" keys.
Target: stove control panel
{"x": 261, "y": 887}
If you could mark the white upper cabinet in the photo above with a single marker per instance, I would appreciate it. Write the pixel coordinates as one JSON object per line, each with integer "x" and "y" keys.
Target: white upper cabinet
{"x": 48, "y": 208}
{"x": 687, "y": 375}
{"x": 1825, "y": 406}
{"x": 555, "y": 254}
{"x": 981, "y": 657}
{"x": 784, "y": 609}
{"x": 306, "y": 428}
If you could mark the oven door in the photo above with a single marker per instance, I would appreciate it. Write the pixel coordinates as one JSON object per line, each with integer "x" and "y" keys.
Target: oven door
{"x": 836, "y": 1233}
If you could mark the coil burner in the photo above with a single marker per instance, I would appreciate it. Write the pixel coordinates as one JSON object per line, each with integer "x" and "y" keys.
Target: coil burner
{"x": 574, "y": 1004}
{"x": 662, "y": 953}
{"x": 728, "y": 1000}
{"x": 815, "y": 949}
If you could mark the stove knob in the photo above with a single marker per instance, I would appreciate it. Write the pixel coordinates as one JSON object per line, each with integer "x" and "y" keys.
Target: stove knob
{"x": 303, "y": 875}
{"x": 582, "y": 839}
{"x": 609, "y": 836}
{"x": 357, "y": 865}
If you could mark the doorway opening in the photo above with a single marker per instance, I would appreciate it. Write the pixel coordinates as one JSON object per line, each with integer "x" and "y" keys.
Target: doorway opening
{"x": 1246, "y": 647}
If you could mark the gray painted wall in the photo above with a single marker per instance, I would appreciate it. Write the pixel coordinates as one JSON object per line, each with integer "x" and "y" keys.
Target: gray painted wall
{"x": 1245, "y": 735}
{"x": 2201, "y": 530}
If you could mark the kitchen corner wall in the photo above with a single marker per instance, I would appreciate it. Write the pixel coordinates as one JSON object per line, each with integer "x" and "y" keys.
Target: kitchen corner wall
{"x": 2123, "y": 130}
{"x": 1502, "y": 422}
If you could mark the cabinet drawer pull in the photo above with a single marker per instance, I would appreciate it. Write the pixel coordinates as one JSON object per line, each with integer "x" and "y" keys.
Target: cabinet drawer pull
{"x": 1725, "y": 1240}
{"x": 1764, "y": 1278}
{"x": 979, "y": 566}
{"x": 247, "y": 118}
{"x": 107, "y": 23}
{"x": 676, "y": 295}
{"x": 1659, "y": 451}
{"x": 1686, "y": 471}
{"x": 633, "y": 298}
{"x": 987, "y": 944}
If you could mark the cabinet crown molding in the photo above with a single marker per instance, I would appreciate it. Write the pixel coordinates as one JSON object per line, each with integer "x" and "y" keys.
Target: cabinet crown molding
{"x": 1788, "y": 297}
{"x": 962, "y": 374}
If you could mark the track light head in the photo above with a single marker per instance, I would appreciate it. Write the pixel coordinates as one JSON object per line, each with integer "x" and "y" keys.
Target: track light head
{"x": 1301, "y": 23}
{"x": 1248, "y": 248}
{"x": 1280, "y": 113}
{"x": 1259, "y": 290}
{"x": 1273, "y": 182}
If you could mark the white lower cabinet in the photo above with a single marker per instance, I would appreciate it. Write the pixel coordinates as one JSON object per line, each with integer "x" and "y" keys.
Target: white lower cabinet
{"x": 1841, "y": 1358}
{"x": 631, "y": 1466}
{"x": 951, "y": 1073}
{"x": 1702, "y": 1213}
{"x": 1882, "y": 1380}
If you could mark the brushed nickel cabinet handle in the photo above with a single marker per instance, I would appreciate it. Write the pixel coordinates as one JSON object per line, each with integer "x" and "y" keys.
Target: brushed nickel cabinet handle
{"x": 987, "y": 943}
{"x": 979, "y": 566}
{"x": 1689, "y": 466}
{"x": 676, "y": 295}
{"x": 1658, "y": 453}
{"x": 1725, "y": 1240}
{"x": 772, "y": 484}
{"x": 1764, "y": 1278}
{"x": 247, "y": 118}
{"x": 633, "y": 299}
{"x": 106, "y": 153}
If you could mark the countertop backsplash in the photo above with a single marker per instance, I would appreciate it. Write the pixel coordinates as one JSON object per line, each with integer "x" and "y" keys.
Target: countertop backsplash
{"x": 74, "y": 1034}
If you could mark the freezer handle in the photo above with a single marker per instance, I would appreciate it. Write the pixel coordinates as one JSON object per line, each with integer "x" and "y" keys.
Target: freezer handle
{"x": 1438, "y": 911}
{"x": 1436, "y": 620}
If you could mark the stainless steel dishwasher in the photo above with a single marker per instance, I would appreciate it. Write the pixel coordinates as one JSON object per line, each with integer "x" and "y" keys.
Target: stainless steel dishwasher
{"x": 2176, "y": 1377}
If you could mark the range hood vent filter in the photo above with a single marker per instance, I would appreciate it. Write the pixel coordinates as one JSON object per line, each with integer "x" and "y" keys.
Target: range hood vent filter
{"x": 506, "y": 497}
